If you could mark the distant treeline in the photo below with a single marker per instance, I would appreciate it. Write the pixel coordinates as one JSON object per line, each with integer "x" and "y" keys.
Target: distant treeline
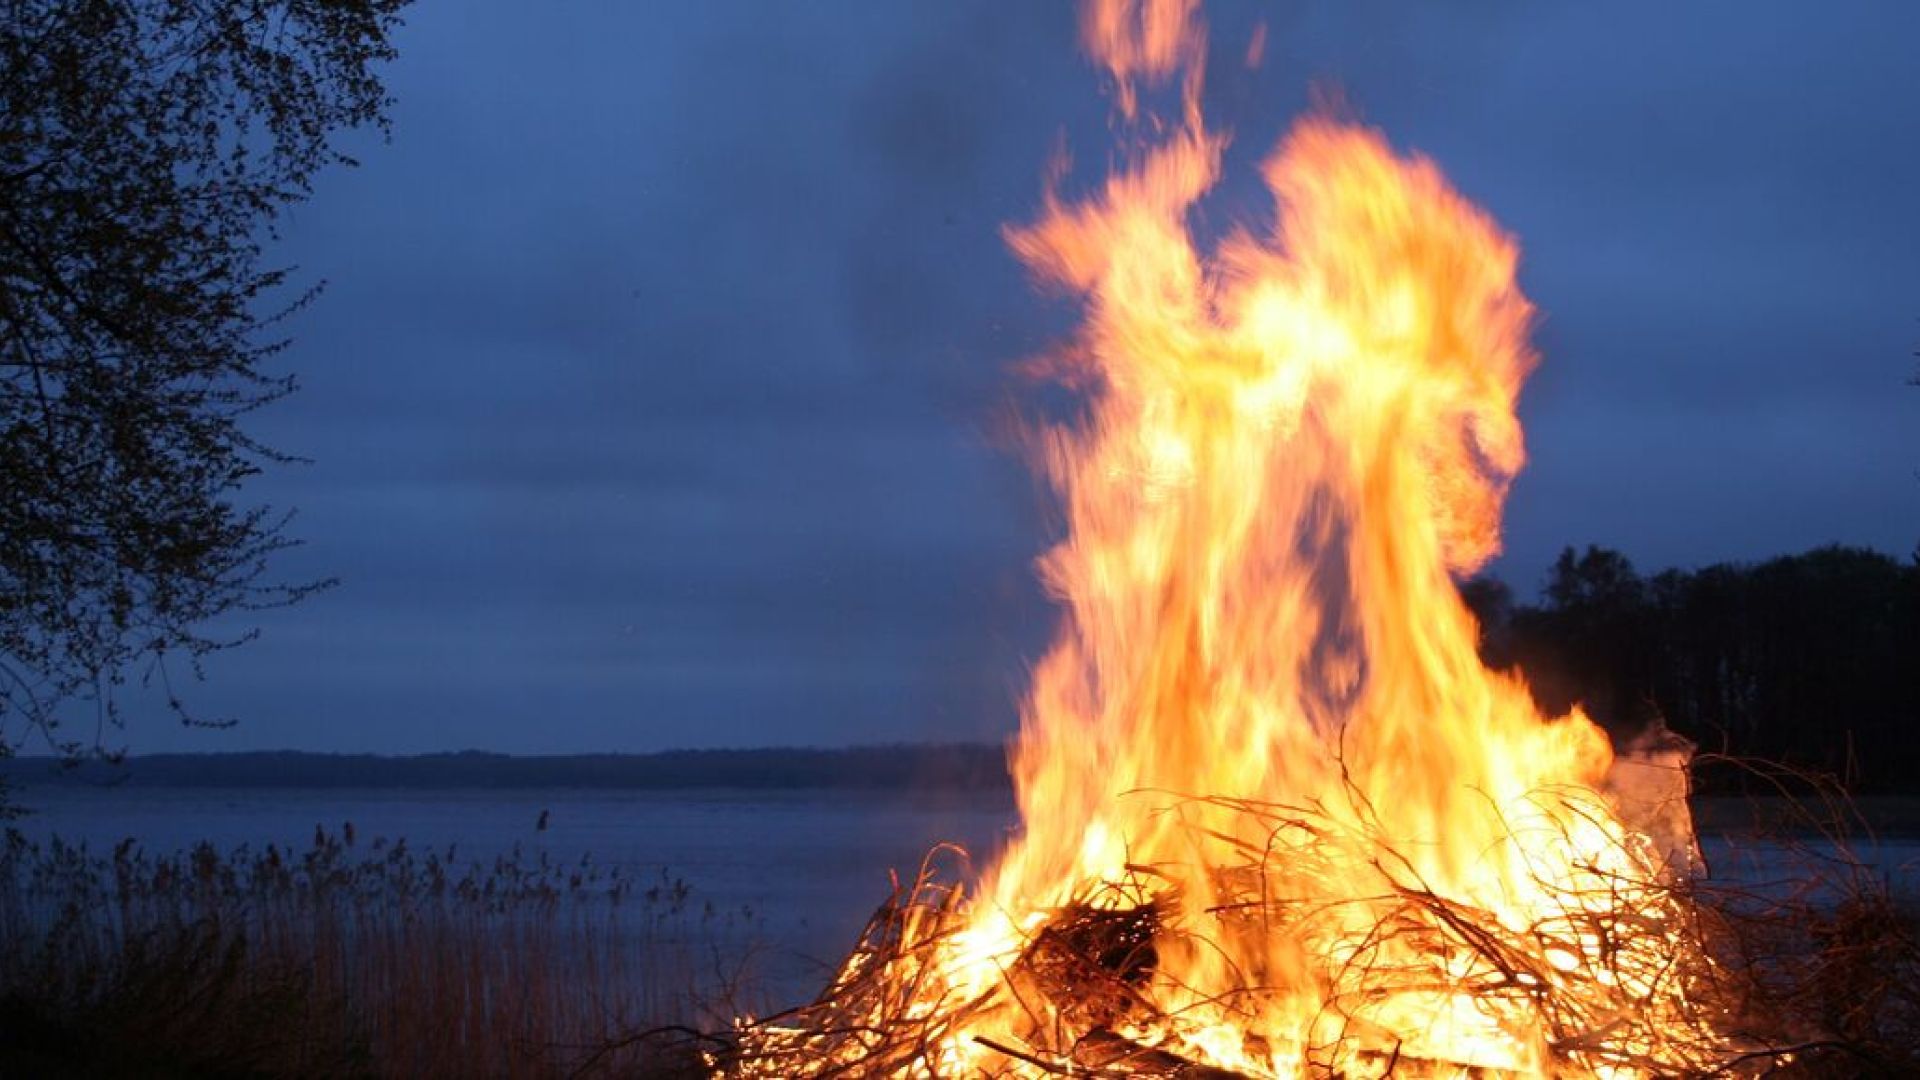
{"x": 952, "y": 767}
{"x": 1807, "y": 660}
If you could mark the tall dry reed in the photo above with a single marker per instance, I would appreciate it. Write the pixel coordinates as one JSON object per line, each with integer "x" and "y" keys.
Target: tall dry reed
{"x": 345, "y": 959}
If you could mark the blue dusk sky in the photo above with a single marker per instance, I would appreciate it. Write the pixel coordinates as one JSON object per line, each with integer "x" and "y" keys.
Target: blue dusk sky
{"x": 652, "y": 402}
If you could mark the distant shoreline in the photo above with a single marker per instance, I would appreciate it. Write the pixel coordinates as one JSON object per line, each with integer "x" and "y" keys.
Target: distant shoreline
{"x": 953, "y": 767}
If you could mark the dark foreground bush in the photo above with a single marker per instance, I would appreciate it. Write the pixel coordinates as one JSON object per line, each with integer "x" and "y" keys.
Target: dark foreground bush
{"x": 334, "y": 962}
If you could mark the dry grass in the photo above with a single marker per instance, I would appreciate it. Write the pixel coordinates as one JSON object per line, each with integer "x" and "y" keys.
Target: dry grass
{"x": 1816, "y": 974}
{"x": 345, "y": 961}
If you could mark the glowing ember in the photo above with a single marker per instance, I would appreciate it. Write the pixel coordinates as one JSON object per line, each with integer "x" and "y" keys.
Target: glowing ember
{"x": 1279, "y": 818}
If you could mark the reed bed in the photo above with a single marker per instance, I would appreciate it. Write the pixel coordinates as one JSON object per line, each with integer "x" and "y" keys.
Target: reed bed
{"x": 351, "y": 959}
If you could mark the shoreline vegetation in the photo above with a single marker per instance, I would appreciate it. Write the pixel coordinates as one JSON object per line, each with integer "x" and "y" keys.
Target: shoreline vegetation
{"x": 355, "y": 959}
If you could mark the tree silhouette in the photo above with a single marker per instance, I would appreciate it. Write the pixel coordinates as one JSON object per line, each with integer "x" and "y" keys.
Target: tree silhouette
{"x": 1808, "y": 660}
{"x": 146, "y": 149}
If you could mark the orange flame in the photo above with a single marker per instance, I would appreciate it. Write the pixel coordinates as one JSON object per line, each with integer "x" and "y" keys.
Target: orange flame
{"x": 1146, "y": 40}
{"x": 1265, "y": 713}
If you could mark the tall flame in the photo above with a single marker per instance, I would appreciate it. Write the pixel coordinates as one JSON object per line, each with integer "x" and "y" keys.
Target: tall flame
{"x": 1265, "y": 718}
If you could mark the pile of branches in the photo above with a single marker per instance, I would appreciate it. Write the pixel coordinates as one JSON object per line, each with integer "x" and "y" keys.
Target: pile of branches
{"x": 1655, "y": 977}
{"x": 880, "y": 1016}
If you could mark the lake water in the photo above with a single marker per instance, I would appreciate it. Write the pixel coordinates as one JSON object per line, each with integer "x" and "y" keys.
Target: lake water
{"x": 809, "y": 866}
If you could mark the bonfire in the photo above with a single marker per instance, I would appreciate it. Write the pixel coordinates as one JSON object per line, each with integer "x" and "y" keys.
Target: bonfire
{"x": 1278, "y": 818}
